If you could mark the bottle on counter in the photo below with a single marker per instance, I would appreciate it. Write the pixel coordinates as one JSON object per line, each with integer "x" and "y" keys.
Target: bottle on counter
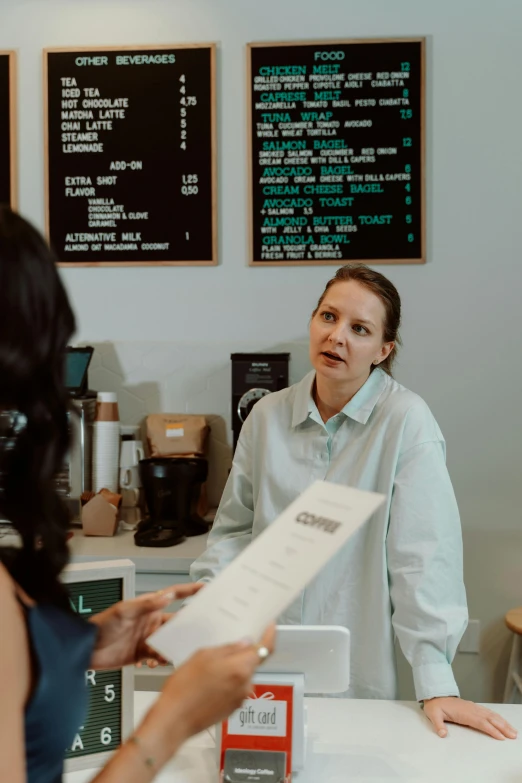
{"x": 106, "y": 443}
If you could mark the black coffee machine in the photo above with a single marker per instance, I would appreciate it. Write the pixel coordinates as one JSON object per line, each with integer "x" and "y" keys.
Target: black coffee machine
{"x": 172, "y": 488}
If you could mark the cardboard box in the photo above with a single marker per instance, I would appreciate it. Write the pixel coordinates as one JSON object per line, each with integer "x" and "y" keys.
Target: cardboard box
{"x": 99, "y": 518}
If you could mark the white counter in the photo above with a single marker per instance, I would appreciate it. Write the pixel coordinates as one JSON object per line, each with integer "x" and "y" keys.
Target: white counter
{"x": 156, "y": 567}
{"x": 364, "y": 740}
{"x": 168, "y": 560}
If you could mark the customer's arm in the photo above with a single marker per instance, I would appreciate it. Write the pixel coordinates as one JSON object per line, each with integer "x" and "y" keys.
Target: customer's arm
{"x": 15, "y": 678}
{"x": 204, "y": 691}
{"x": 232, "y": 529}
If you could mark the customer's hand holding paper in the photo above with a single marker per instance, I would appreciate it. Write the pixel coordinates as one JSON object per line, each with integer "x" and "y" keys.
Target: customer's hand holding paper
{"x": 261, "y": 582}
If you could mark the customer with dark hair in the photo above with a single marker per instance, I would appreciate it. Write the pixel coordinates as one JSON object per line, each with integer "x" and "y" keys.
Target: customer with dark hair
{"x": 45, "y": 648}
{"x": 349, "y": 422}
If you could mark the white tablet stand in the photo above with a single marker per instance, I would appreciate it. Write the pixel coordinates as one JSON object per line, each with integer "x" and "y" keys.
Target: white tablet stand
{"x": 312, "y": 659}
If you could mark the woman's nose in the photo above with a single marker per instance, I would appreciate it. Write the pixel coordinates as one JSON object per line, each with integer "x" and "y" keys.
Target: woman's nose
{"x": 336, "y": 335}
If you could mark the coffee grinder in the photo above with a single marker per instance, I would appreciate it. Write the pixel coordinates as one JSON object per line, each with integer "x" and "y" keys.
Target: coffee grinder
{"x": 253, "y": 376}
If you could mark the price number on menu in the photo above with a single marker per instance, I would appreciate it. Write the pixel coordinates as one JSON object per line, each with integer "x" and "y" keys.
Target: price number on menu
{"x": 183, "y": 113}
{"x": 408, "y": 201}
{"x": 189, "y": 186}
{"x": 185, "y": 102}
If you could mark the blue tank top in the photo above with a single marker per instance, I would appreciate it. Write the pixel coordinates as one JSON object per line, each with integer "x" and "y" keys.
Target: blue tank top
{"x": 61, "y": 646}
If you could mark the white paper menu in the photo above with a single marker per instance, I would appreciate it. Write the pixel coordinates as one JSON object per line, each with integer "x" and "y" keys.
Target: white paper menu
{"x": 270, "y": 573}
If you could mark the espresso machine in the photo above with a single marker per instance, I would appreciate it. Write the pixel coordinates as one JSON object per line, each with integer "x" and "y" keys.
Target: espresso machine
{"x": 76, "y": 474}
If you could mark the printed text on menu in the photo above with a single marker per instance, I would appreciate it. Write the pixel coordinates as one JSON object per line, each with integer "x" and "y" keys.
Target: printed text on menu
{"x": 129, "y": 156}
{"x": 337, "y": 152}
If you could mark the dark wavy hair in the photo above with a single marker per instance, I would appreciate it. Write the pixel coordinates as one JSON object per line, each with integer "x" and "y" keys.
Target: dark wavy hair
{"x": 36, "y": 323}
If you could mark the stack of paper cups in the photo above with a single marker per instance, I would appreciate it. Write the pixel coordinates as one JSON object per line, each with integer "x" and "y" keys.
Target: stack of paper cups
{"x": 106, "y": 443}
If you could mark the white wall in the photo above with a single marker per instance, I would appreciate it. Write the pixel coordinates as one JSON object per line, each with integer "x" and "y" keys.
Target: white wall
{"x": 461, "y": 323}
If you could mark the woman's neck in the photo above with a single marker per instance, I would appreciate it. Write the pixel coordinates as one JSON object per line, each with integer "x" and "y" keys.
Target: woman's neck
{"x": 331, "y": 397}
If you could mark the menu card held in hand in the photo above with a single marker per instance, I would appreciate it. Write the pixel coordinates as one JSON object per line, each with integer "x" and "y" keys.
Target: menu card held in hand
{"x": 270, "y": 573}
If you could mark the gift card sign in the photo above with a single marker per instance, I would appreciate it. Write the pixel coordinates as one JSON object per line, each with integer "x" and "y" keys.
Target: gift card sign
{"x": 256, "y": 741}
{"x": 267, "y": 719}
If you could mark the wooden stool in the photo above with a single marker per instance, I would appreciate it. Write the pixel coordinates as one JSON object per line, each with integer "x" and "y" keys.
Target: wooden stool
{"x": 513, "y": 621}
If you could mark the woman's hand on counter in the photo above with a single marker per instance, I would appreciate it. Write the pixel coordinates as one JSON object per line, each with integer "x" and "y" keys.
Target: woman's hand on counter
{"x": 451, "y": 709}
{"x": 124, "y": 627}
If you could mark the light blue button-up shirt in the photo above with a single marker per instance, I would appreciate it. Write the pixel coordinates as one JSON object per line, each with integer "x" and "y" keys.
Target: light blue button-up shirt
{"x": 401, "y": 573}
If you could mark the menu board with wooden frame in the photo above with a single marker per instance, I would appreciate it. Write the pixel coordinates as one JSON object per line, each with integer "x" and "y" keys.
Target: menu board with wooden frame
{"x": 8, "y": 130}
{"x": 336, "y": 140}
{"x": 130, "y": 155}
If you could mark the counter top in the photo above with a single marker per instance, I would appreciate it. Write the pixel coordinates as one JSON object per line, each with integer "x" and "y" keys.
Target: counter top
{"x": 365, "y": 740}
{"x": 169, "y": 560}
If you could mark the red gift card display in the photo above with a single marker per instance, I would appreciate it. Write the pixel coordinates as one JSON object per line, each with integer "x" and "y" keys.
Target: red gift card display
{"x": 256, "y": 741}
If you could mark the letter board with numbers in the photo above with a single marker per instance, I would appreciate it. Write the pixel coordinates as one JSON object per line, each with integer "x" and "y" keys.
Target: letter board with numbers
{"x": 94, "y": 587}
{"x": 336, "y": 152}
{"x": 8, "y": 128}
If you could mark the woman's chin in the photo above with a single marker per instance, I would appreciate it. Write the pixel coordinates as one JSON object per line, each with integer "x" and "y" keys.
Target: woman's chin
{"x": 331, "y": 371}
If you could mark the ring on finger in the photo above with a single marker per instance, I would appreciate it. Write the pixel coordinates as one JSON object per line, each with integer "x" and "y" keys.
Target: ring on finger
{"x": 263, "y": 653}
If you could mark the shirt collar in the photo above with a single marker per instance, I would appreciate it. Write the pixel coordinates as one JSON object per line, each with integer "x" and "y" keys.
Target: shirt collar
{"x": 359, "y": 408}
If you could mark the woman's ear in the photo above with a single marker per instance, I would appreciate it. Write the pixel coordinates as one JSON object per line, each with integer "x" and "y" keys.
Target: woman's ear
{"x": 385, "y": 351}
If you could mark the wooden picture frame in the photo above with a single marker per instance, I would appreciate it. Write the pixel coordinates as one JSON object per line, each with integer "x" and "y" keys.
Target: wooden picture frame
{"x": 213, "y": 150}
{"x": 13, "y": 124}
{"x": 421, "y": 259}
{"x": 102, "y": 571}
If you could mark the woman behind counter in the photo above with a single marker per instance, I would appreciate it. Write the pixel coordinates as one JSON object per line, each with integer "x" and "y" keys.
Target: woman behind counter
{"x": 45, "y": 648}
{"x": 349, "y": 422}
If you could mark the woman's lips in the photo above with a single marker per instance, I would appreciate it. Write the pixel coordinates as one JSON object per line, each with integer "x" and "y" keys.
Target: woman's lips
{"x": 331, "y": 359}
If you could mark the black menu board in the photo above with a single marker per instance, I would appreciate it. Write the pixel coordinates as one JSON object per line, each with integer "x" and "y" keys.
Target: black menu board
{"x": 336, "y": 134}
{"x": 130, "y": 155}
{"x": 7, "y": 129}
